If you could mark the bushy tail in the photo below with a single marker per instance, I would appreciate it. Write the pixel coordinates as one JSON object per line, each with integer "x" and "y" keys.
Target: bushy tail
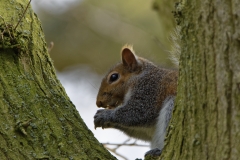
{"x": 175, "y": 51}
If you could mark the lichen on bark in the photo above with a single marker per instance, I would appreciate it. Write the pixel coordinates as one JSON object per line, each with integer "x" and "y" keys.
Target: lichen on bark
{"x": 38, "y": 120}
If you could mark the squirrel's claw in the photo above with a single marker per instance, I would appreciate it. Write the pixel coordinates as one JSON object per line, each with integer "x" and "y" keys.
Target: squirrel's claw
{"x": 101, "y": 118}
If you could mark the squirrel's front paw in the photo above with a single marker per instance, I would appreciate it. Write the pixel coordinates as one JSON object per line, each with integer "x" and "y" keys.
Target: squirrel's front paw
{"x": 154, "y": 153}
{"x": 101, "y": 118}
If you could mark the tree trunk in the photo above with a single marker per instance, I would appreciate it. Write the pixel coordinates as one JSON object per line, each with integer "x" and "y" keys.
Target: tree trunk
{"x": 38, "y": 120}
{"x": 206, "y": 119}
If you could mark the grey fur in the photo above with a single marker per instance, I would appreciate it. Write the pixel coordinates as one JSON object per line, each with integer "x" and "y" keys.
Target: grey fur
{"x": 141, "y": 113}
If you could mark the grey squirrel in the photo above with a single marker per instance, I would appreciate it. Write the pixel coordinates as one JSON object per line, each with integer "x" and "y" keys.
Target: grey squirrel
{"x": 138, "y": 98}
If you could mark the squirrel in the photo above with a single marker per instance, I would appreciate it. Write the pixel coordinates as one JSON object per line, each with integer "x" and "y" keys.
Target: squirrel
{"x": 138, "y": 98}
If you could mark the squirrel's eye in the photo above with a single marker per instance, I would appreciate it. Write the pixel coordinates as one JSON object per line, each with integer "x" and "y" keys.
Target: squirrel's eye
{"x": 114, "y": 77}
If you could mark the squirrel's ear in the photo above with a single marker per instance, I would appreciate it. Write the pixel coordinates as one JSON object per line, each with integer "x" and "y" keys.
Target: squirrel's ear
{"x": 129, "y": 59}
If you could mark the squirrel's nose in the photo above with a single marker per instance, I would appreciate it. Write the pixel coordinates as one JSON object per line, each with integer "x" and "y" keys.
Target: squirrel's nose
{"x": 99, "y": 103}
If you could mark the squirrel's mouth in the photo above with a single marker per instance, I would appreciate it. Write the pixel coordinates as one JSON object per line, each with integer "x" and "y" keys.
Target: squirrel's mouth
{"x": 109, "y": 105}
{"x": 112, "y": 106}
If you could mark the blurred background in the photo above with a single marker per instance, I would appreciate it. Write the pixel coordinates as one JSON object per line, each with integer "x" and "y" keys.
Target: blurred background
{"x": 88, "y": 36}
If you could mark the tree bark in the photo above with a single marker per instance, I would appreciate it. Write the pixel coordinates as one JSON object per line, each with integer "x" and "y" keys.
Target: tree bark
{"x": 206, "y": 119}
{"x": 38, "y": 120}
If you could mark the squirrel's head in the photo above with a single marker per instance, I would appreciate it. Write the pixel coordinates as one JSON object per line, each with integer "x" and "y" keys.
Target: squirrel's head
{"x": 117, "y": 81}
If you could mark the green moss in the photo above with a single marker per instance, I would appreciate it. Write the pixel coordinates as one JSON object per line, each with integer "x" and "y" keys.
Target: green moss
{"x": 12, "y": 39}
{"x": 39, "y": 119}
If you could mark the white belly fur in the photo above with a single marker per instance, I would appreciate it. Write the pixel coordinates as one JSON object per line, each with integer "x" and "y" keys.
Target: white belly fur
{"x": 162, "y": 123}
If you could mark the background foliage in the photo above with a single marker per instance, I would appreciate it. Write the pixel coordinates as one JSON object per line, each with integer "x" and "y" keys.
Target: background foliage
{"x": 92, "y": 32}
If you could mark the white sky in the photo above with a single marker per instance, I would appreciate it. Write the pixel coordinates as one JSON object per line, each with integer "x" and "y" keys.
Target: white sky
{"x": 54, "y": 6}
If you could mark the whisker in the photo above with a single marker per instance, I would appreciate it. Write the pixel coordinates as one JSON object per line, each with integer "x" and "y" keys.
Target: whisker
{"x": 92, "y": 85}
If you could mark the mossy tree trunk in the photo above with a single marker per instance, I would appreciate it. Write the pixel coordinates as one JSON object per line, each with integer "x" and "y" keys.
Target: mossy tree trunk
{"x": 38, "y": 120}
{"x": 206, "y": 119}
